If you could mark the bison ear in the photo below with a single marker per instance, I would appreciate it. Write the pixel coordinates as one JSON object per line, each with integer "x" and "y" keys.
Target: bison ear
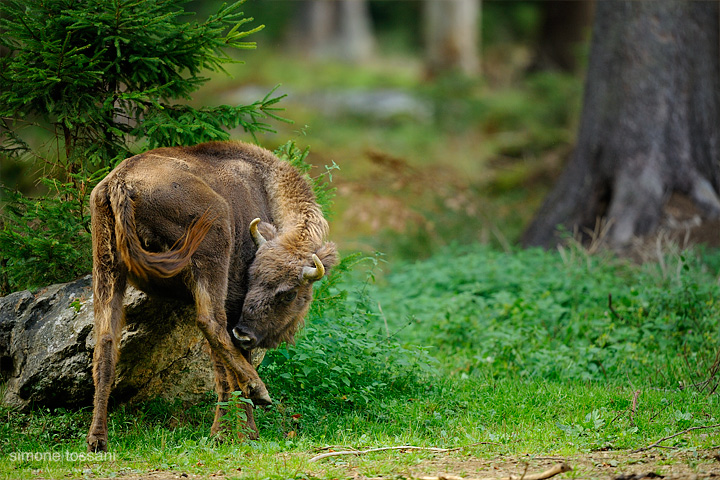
{"x": 267, "y": 230}
{"x": 324, "y": 258}
{"x": 261, "y": 232}
{"x": 328, "y": 255}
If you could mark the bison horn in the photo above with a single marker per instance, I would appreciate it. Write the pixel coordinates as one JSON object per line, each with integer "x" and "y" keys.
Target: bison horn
{"x": 312, "y": 274}
{"x": 255, "y": 233}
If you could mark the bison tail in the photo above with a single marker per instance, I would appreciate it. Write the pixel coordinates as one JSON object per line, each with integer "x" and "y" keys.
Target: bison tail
{"x": 140, "y": 262}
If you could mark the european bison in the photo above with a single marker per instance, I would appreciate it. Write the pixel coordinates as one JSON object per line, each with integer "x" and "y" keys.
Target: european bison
{"x": 226, "y": 225}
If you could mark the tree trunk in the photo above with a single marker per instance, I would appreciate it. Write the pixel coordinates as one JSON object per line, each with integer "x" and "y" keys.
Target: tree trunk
{"x": 650, "y": 123}
{"x": 565, "y": 26}
{"x": 339, "y": 29}
{"x": 355, "y": 31}
{"x": 452, "y": 36}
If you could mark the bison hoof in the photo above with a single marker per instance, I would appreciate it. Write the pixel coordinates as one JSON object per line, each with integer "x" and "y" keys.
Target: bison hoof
{"x": 97, "y": 443}
{"x": 259, "y": 395}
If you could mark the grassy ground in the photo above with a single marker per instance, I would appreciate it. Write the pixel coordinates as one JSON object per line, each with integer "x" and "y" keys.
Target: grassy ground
{"x": 517, "y": 358}
{"x": 525, "y": 420}
{"x": 500, "y": 420}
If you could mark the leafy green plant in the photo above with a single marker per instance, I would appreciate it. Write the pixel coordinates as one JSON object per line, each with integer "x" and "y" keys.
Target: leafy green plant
{"x": 530, "y": 313}
{"x": 236, "y": 415}
{"x": 44, "y": 240}
{"x": 85, "y": 84}
{"x": 345, "y": 356}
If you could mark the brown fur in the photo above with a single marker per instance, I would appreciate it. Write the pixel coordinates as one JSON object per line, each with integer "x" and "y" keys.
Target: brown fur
{"x": 175, "y": 222}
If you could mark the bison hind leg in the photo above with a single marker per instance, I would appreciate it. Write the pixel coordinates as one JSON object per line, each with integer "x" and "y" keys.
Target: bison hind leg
{"x": 109, "y": 282}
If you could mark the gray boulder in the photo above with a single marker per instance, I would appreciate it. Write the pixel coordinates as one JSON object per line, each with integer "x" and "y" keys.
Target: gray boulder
{"x": 47, "y": 342}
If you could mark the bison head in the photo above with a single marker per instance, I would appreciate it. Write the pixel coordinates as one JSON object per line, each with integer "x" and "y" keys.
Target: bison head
{"x": 279, "y": 291}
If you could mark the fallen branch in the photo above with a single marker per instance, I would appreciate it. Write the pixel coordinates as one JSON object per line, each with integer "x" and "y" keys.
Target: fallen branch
{"x": 362, "y": 452}
{"x": 657, "y": 444}
{"x": 333, "y": 447}
{"x": 402, "y": 447}
{"x": 556, "y": 470}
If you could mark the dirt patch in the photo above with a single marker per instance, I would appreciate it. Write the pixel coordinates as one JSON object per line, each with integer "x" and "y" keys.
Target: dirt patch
{"x": 601, "y": 465}
{"x": 597, "y": 465}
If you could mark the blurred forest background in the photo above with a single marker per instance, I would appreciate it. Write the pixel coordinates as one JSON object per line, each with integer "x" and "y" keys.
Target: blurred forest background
{"x": 432, "y": 148}
{"x": 450, "y": 121}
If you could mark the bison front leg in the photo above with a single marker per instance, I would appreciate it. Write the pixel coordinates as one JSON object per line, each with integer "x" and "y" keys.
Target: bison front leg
{"x": 212, "y": 323}
{"x": 226, "y": 383}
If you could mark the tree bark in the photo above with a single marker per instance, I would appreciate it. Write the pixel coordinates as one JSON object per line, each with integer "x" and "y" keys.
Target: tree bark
{"x": 452, "y": 36}
{"x": 650, "y": 122}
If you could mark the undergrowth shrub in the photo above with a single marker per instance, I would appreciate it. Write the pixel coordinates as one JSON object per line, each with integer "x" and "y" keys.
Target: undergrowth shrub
{"x": 344, "y": 357}
{"x": 44, "y": 240}
{"x": 532, "y": 314}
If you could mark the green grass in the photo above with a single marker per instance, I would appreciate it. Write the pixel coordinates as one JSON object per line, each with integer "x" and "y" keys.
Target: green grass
{"x": 510, "y": 354}
{"x": 514, "y": 417}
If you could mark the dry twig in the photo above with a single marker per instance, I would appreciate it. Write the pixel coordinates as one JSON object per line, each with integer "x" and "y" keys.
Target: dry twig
{"x": 657, "y": 444}
{"x": 556, "y": 470}
{"x": 714, "y": 370}
{"x": 402, "y": 447}
{"x": 634, "y": 406}
{"x": 612, "y": 309}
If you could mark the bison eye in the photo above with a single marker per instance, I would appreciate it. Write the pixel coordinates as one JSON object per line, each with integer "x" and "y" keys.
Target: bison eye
{"x": 287, "y": 297}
